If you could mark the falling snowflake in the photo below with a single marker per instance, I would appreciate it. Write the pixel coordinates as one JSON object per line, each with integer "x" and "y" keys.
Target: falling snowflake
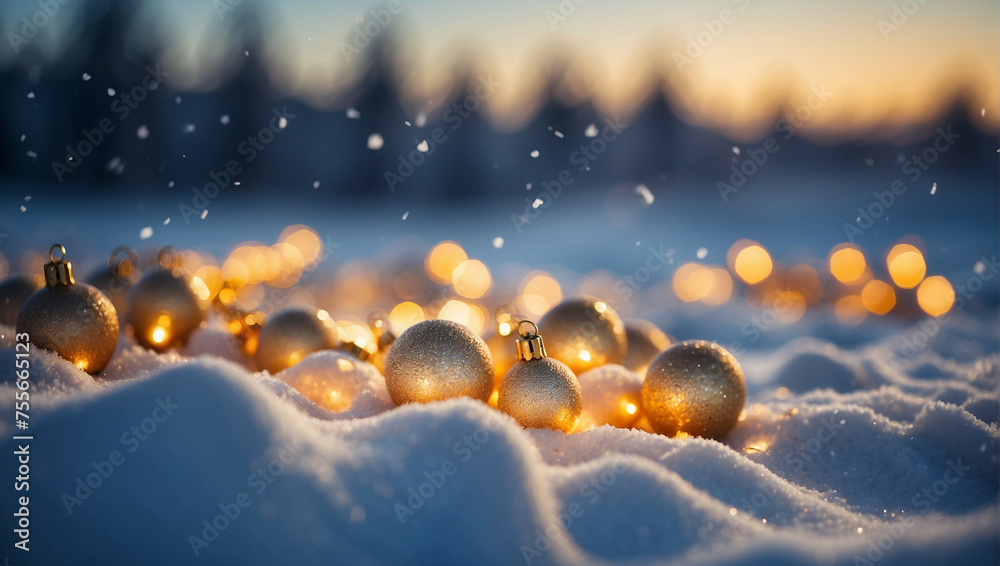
{"x": 534, "y": 153}
{"x": 353, "y": 113}
{"x": 142, "y": 132}
{"x": 86, "y": 77}
{"x": 405, "y": 214}
{"x": 204, "y": 213}
{"x": 224, "y": 119}
{"x": 32, "y": 154}
{"x": 421, "y": 119}
{"x": 31, "y": 95}
{"x": 146, "y": 233}
{"x": 558, "y": 134}
{"x": 188, "y": 128}
{"x": 315, "y": 184}
{"x": 645, "y": 193}
{"x": 498, "y": 242}
{"x": 591, "y": 131}
{"x": 423, "y": 147}
{"x": 933, "y": 188}
{"x": 375, "y": 141}
{"x": 167, "y": 221}
{"x": 736, "y": 150}
{"x": 527, "y": 187}
{"x": 111, "y": 91}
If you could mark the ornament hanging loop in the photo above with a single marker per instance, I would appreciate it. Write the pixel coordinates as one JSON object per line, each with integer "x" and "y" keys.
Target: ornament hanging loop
{"x": 170, "y": 258}
{"x": 379, "y": 324}
{"x": 530, "y": 346}
{"x": 58, "y": 272}
{"x": 124, "y": 266}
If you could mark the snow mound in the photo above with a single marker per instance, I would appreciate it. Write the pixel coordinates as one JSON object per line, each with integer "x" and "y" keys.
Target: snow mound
{"x": 167, "y": 459}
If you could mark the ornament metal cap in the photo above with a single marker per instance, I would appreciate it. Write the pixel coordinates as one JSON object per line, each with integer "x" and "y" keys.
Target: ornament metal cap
{"x": 530, "y": 346}
{"x": 379, "y": 325}
{"x": 58, "y": 272}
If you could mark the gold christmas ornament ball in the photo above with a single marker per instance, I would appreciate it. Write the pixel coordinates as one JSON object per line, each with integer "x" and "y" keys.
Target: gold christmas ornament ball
{"x": 584, "y": 333}
{"x": 115, "y": 279}
{"x": 541, "y": 393}
{"x": 291, "y": 335}
{"x": 164, "y": 311}
{"x": 696, "y": 387}
{"x": 14, "y": 291}
{"x": 645, "y": 341}
{"x": 75, "y": 321}
{"x": 612, "y": 395}
{"x": 436, "y": 360}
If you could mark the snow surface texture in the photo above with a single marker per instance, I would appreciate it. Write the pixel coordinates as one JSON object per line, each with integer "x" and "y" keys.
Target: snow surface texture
{"x": 843, "y": 457}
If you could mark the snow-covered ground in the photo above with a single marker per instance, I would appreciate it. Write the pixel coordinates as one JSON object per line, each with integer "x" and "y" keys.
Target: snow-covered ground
{"x": 843, "y": 457}
{"x": 875, "y": 443}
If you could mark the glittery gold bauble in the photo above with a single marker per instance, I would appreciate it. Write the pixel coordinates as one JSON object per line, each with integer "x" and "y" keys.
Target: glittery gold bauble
{"x": 645, "y": 341}
{"x": 611, "y": 395}
{"x": 164, "y": 310}
{"x": 13, "y": 292}
{"x": 541, "y": 394}
{"x": 695, "y": 387}
{"x": 74, "y": 320}
{"x": 115, "y": 279}
{"x": 291, "y": 335}
{"x": 438, "y": 359}
{"x": 584, "y": 333}
{"x": 538, "y": 391}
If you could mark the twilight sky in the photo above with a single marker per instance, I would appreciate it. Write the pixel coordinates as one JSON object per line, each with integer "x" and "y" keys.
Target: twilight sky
{"x": 751, "y": 52}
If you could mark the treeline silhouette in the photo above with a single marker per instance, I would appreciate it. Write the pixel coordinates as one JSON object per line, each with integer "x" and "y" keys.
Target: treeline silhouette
{"x": 150, "y": 137}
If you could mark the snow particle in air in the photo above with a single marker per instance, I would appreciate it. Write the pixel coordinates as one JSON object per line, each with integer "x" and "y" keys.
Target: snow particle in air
{"x": 375, "y": 141}
{"x": 146, "y": 233}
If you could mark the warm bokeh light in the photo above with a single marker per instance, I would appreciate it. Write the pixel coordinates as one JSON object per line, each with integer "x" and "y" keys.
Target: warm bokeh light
{"x": 847, "y": 264}
{"x": 878, "y": 297}
{"x": 442, "y": 260}
{"x": 472, "y": 279}
{"x": 710, "y": 284}
{"x": 159, "y": 335}
{"x": 464, "y": 313}
{"x": 538, "y": 293}
{"x": 906, "y": 265}
{"x": 405, "y": 315}
{"x": 721, "y": 287}
{"x": 850, "y": 310}
{"x": 935, "y": 295}
{"x": 306, "y": 241}
{"x": 752, "y": 264}
{"x": 691, "y": 282}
